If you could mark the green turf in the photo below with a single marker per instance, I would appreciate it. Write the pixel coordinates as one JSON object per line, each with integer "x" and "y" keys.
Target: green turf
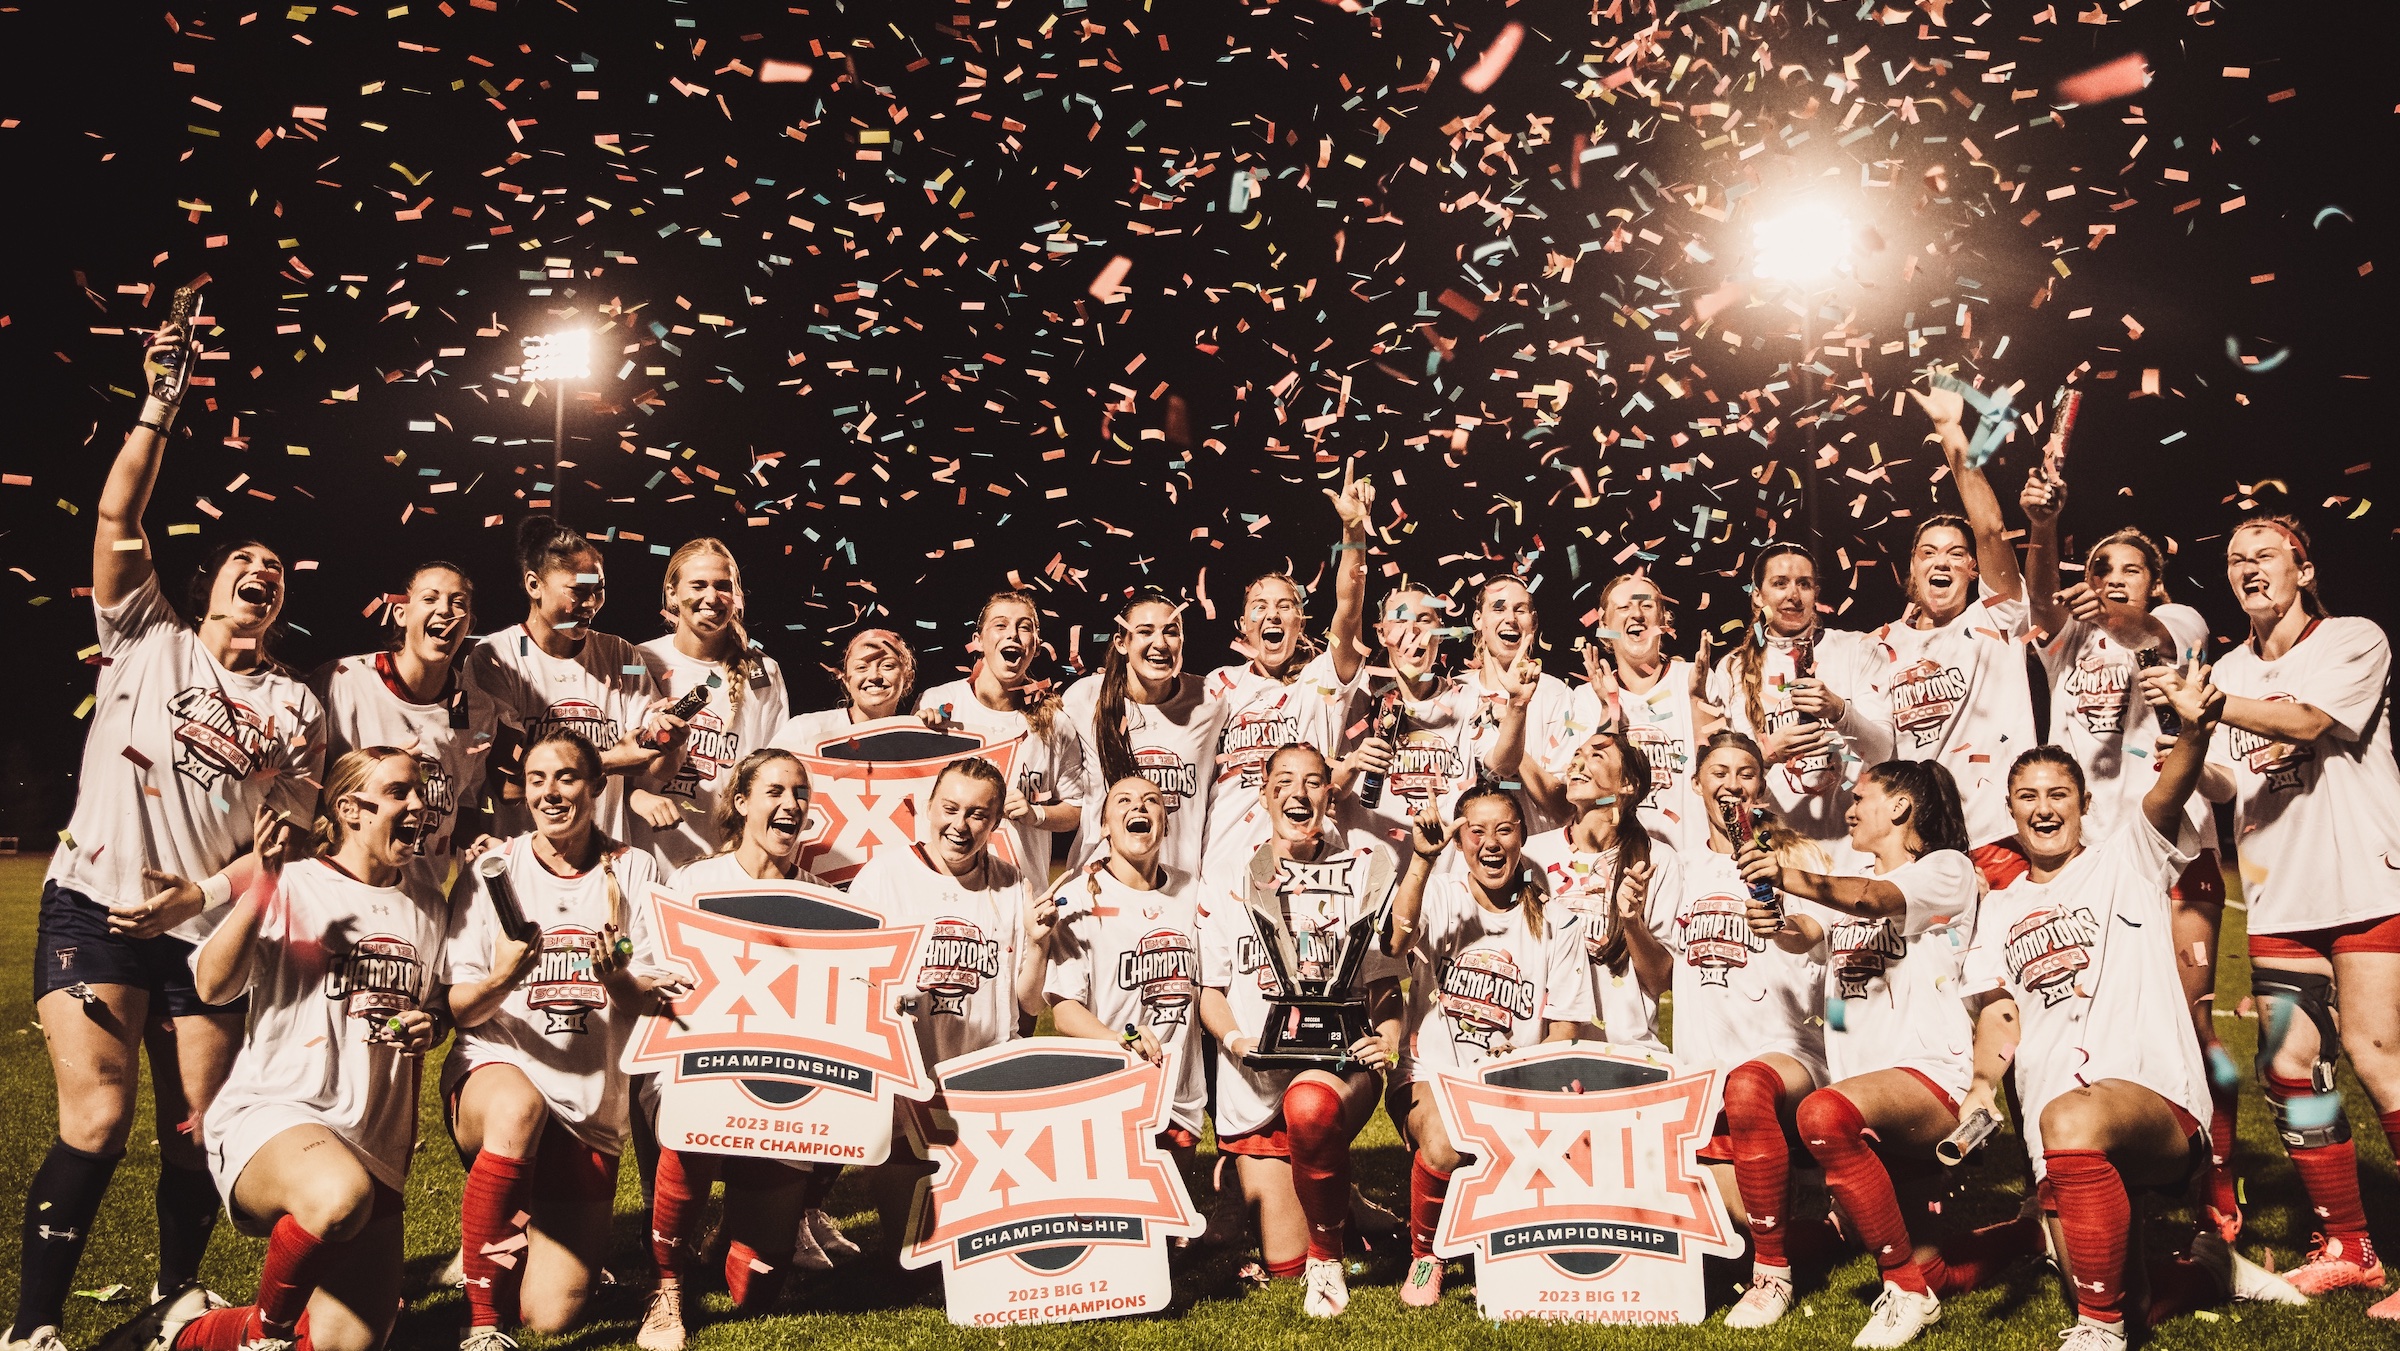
{"x": 853, "y": 1307}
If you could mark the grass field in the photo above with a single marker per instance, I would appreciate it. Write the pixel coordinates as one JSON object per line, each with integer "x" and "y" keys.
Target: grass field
{"x": 856, "y": 1306}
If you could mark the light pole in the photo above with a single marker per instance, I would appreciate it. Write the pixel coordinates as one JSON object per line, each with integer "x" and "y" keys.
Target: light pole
{"x": 558, "y": 358}
{"x": 1806, "y": 247}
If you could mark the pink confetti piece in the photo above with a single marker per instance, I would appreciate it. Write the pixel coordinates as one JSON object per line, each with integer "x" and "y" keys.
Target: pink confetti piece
{"x": 1112, "y": 277}
{"x": 784, "y": 72}
{"x": 1487, "y": 68}
{"x": 2128, "y": 74}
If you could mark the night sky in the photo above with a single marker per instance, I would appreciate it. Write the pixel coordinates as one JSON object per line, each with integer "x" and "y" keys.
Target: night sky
{"x": 846, "y": 257}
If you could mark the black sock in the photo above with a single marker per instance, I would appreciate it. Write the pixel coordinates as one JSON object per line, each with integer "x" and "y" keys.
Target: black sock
{"x": 187, "y": 1215}
{"x": 59, "y": 1207}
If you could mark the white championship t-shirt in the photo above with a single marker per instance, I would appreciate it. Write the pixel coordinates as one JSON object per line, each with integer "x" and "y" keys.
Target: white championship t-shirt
{"x": 1580, "y": 882}
{"x": 601, "y": 692}
{"x": 1813, "y": 794}
{"x": 1663, "y": 722}
{"x": 2098, "y": 714}
{"x": 1049, "y": 766}
{"x": 1261, "y": 717}
{"x": 450, "y": 739}
{"x": 719, "y": 737}
{"x": 558, "y": 1025}
{"x": 215, "y": 744}
{"x": 1133, "y": 957}
{"x": 803, "y": 731}
{"x": 1485, "y": 982}
{"x": 2089, "y": 958}
{"x": 2318, "y": 825}
{"x": 335, "y": 960}
{"x": 1479, "y": 712}
{"x": 1739, "y": 996}
{"x": 964, "y": 982}
{"x": 1174, "y": 746}
{"x": 1892, "y": 985}
{"x": 1959, "y": 696}
{"x": 1318, "y": 902}
{"x": 1427, "y": 763}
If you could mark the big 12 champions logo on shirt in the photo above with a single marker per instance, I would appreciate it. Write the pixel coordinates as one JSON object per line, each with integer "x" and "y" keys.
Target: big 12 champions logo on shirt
{"x": 1667, "y": 754}
{"x": 1250, "y": 739}
{"x": 709, "y": 749}
{"x": 1483, "y": 995}
{"x": 1817, "y": 773}
{"x": 1585, "y": 1199}
{"x": 1164, "y": 972}
{"x": 2282, "y": 764}
{"x": 1177, "y": 779}
{"x": 441, "y": 803}
{"x": 871, "y": 780}
{"x": 1717, "y": 937}
{"x": 1863, "y": 949}
{"x": 1925, "y": 697}
{"x": 1051, "y": 1199}
{"x": 2097, "y": 690}
{"x": 787, "y": 1046}
{"x": 217, "y": 738}
{"x": 375, "y": 980}
{"x": 958, "y": 960}
{"x": 580, "y": 716}
{"x": 2050, "y": 949}
{"x": 565, "y": 986}
{"x": 1424, "y": 765}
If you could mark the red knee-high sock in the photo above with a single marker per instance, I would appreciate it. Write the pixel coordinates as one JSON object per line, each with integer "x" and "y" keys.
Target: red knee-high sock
{"x": 491, "y": 1236}
{"x": 288, "y": 1276}
{"x": 1967, "y": 1262}
{"x": 2096, "y": 1215}
{"x": 1312, "y": 1121}
{"x": 217, "y": 1330}
{"x": 678, "y": 1195}
{"x": 2391, "y": 1130}
{"x": 1833, "y": 1130}
{"x": 1426, "y": 1189}
{"x": 2329, "y": 1173}
{"x": 750, "y": 1279}
{"x": 1762, "y": 1160}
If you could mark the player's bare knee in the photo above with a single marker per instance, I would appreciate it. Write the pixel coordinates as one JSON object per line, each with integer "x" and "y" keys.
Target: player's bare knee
{"x": 335, "y": 1204}
{"x": 2077, "y": 1120}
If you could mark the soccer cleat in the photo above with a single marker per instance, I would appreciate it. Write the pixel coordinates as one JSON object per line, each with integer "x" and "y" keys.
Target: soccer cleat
{"x": 2336, "y": 1264}
{"x": 43, "y": 1338}
{"x": 1328, "y": 1293}
{"x": 807, "y": 1255}
{"x": 662, "y": 1324}
{"x": 263, "y": 1342}
{"x": 454, "y": 1272}
{"x": 155, "y": 1328}
{"x": 486, "y": 1339}
{"x": 1764, "y": 1304}
{"x": 1899, "y": 1316}
{"x": 829, "y": 1236}
{"x": 2237, "y": 1276}
{"x": 1423, "y": 1288}
{"x": 2092, "y": 1337}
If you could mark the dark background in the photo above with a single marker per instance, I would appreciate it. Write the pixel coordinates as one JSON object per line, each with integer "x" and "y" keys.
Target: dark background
{"x": 109, "y": 149}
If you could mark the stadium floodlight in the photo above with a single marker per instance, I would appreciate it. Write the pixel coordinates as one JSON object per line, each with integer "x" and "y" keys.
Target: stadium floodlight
{"x": 1805, "y": 245}
{"x": 557, "y": 359}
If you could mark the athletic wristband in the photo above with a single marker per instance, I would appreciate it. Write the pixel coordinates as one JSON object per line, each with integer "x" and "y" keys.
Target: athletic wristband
{"x": 157, "y": 414}
{"x": 216, "y": 890}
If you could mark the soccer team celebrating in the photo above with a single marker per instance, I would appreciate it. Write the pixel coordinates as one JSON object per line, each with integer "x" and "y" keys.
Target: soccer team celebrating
{"x": 1881, "y": 899}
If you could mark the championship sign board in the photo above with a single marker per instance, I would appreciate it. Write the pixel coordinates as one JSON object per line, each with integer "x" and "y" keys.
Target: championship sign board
{"x": 869, "y": 782}
{"x": 1586, "y": 1200}
{"x": 1052, "y": 1200}
{"x": 788, "y": 1046}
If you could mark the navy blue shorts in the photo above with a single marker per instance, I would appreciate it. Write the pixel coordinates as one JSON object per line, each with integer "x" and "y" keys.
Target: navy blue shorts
{"x": 76, "y": 947}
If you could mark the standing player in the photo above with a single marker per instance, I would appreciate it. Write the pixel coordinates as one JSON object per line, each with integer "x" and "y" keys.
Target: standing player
{"x": 534, "y": 1091}
{"x": 708, "y": 648}
{"x": 1810, "y": 698}
{"x": 1492, "y": 968}
{"x": 311, "y": 1138}
{"x": 417, "y": 695}
{"x": 1661, "y": 702}
{"x": 1957, "y": 678}
{"x": 879, "y": 669}
{"x": 1507, "y": 637}
{"x": 2072, "y": 979}
{"x": 1285, "y": 693}
{"x": 1750, "y": 1004}
{"x": 2103, "y": 630}
{"x": 1143, "y": 715}
{"x": 194, "y": 728}
{"x": 773, "y": 1215}
{"x": 977, "y": 980}
{"x": 1290, "y": 1130}
{"x": 1605, "y": 866}
{"x": 2309, "y": 745}
{"x": 1898, "y": 1042}
{"x": 1401, "y": 730}
{"x": 1000, "y": 700}
{"x": 1124, "y": 957}
{"x": 555, "y": 672}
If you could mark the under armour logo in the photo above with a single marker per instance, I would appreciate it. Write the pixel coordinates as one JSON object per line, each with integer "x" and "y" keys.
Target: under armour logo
{"x": 59, "y": 1235}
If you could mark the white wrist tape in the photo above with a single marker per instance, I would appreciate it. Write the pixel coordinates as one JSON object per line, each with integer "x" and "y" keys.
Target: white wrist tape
{"x": 158, "y": 413}
{"x": 216, "y": 890}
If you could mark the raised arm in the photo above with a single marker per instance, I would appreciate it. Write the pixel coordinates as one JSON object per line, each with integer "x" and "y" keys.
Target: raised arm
{"x": 1426, "y": 841}
{"x": 2200, "y": 705}
{"x": 2042, "y": 500}
{"x": 1356, "y": 503}
{"x": 1993, "y": 558}
{"x": 116, "y": 570}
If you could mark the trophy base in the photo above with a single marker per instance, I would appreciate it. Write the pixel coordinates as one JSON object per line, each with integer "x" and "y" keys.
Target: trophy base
{"x": 1312, "y": 1033}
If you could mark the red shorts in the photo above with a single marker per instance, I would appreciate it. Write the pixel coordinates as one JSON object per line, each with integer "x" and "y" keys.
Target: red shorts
{"x": 2203, "y": 883}
{"x": 1940, "y": 1094}
{"x": 2367, "y": 935}
{"x": 1176, "y": 1137}
{"x": 1999, "y": 862}
{"x": 563, "y": 1166}
{"x": 1267, "y": 1142}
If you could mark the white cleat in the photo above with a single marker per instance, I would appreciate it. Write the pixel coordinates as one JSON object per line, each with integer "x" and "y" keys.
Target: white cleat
{"x": 2092, "y": 1337}
{"x": 1764, "y": 1304}
{"x": 1899, "y": 1316}
{"x": 806, "y": 1254}
{"x": 1328, "y": 1293}
{"x": 662, "y": 1324}
{"x": 2256, "y": 1284}
{"x": 43, "y": 1338}
{"x": 829, "y": 1236}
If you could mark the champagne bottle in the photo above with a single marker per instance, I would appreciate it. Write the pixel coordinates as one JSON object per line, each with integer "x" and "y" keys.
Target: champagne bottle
{"x": 1391, "y": 723}
{"x": 2170, "y": 723}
